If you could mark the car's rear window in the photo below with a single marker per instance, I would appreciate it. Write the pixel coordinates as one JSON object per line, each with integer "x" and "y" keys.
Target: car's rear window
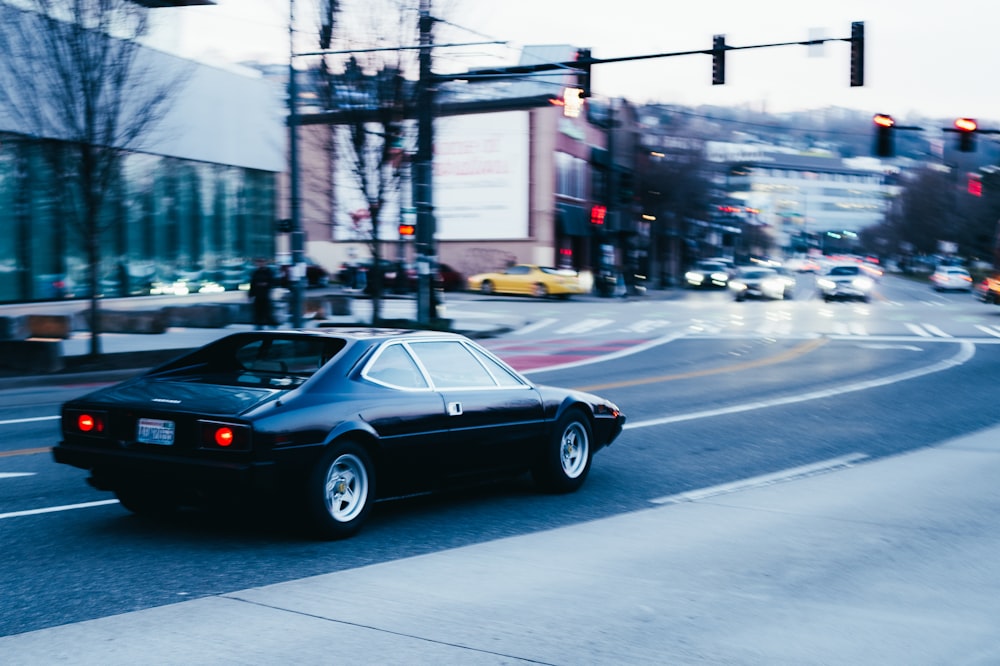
{"x": 248, "y": 360}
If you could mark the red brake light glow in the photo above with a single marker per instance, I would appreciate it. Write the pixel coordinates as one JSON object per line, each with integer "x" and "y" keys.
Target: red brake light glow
{"x": 85, "y": 422}
{"x": 224, "y": 436}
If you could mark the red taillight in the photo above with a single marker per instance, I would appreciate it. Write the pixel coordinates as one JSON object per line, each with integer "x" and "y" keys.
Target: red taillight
{"x": 224, "y": 436}
{"x": 89, "y": 423}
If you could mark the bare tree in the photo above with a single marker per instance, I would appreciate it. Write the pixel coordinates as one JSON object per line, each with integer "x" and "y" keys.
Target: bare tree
{"x": 73, "y": 71}
{"x": 372, "y": 91}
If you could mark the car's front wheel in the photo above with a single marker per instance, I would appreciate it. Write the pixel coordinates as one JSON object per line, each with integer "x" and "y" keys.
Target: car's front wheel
{"x": 565, "y": 462}
{"x": 340, "y": 491}
{"x": 540, "y": 290}
{"x": 486, "y": 287}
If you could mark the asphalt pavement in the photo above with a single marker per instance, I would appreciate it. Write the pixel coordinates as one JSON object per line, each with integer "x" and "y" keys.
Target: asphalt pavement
{"x": 886, "y": 562}
{"x": 891, "y": 561}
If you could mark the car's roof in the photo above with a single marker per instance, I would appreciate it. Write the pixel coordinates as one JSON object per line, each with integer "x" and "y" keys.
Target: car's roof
{"x": 354, "y": 333}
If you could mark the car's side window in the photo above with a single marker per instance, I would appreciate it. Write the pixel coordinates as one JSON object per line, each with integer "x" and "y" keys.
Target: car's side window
{"x": 518, "y": 270}
{"x": 395, "y": 367}
{"x": 451, "y": 365}
{"x": 503, "y": 375}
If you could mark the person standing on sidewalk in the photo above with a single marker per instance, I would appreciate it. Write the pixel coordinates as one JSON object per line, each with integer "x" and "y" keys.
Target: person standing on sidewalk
{"x": 262, "y": 282}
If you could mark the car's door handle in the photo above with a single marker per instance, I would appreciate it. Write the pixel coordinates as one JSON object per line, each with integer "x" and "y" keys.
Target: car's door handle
{"x": 454, "y": 409}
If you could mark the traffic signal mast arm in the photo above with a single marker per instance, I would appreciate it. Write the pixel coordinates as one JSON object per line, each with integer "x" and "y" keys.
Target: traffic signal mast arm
{"x": 584, "y": 63}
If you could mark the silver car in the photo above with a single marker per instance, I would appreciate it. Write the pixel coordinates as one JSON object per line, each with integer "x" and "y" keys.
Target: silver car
{"x": 846, "y": 282}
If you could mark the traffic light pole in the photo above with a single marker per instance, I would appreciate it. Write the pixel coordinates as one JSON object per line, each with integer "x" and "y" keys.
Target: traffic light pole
{"x": 423, "y": 185}
{"x": 296, "y": 272}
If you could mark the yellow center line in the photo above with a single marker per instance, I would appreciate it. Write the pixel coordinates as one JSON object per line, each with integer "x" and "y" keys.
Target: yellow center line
{"x": 24, "y": 452}
{"x": 788, "y": 355}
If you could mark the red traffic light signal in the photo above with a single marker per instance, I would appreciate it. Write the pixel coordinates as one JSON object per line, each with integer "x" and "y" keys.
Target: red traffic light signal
{"x": 407, "y": 230}
{"x": 884, "y": 125}
{"x": 598, "y": 213}
{"x": 966, "y": 128}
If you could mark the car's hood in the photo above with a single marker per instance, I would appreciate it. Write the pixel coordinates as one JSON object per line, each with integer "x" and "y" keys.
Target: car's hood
{"x": 184, "y": 396}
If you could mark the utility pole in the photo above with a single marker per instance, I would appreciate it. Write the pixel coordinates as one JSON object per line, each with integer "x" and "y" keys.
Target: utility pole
{"x": 423, "y": 186}
{"x": 296, "y": 272}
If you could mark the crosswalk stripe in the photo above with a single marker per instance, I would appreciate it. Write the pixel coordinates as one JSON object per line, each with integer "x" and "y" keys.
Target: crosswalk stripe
{"x": 936, "y": 331}
{"x": 646, "y": 325}
{"x": 530, "y": 328}
{"x": 917, "y": 330}
{"x": 585, "y": 325}
{"x": 989, "y": 330}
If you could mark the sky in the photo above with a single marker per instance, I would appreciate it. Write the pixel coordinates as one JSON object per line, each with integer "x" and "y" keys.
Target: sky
{"x": 924, "y": 58}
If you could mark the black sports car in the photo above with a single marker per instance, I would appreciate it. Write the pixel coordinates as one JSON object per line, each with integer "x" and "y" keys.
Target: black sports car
{"x": 328, "y": 421}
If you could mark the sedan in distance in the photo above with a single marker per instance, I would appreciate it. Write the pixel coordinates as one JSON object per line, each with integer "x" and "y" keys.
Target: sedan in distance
{"x": 846, "y": 282}
{"x": 760, "y": 282}
{"x": 951, "y": 278}
{"x": 528, "y": 279}
{"x": 323, "y": 422}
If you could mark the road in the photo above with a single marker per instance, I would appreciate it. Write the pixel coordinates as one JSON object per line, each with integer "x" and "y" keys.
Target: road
{"x": 716, "y": 392}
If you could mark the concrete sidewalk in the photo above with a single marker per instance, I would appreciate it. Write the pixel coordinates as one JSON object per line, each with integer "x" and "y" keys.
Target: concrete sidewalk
{"x": 887, "y": 562}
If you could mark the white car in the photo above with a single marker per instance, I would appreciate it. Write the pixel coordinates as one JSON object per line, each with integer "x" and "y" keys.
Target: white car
{"x": 759, "y": 282}
{"x": 951, "y": 278}
{"x": 846, "y": 282}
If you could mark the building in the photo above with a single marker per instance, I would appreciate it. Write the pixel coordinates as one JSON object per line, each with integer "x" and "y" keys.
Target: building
{"x": 807, "y": 201}
{"x": 195, "y": 199}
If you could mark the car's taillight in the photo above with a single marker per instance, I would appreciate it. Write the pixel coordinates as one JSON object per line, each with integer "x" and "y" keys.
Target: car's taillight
{"x": 85, "y": 422}
{"x": 223, "y": 436}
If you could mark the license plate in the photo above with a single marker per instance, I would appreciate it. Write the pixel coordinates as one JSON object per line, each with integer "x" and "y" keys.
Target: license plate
{"x": 156, "y": 431}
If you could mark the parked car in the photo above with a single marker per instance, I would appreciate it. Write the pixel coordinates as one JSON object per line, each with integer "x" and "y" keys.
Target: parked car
{"x": 951, "y": 278}
{"x": 539, "y": 281}
{"x": 326, "y": 421}
{"x": 758, "y": 282}
{"x": 707, "y": 274}
{"x": 447, "y": 278}
{"x": 845, "y": 282}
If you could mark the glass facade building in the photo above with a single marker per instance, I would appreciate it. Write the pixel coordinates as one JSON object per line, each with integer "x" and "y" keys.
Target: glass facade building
{"x": 167, "y": 219}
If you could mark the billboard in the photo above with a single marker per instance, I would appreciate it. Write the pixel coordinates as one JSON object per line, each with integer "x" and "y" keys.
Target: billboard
{"x": 481, "y": 164}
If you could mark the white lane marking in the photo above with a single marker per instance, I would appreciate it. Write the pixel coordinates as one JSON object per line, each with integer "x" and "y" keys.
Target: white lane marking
{"x": 531, "y": 328}
{"x": 937, "y": 331}
{"x": 917, "y": 330}
{"x": 31, "y": 420}
{"x": 903, "y": 347}
{"x": 989, "y": 330}
{"x": 11, "y": 475}
{"x": 585, "y": 325}
{"x": 857, "y": 328}
{"x": 966, "y": 351}
{"x": 55, "y": 509}
{"x": 763, "y": 480}
{"x": 622, "y": 353}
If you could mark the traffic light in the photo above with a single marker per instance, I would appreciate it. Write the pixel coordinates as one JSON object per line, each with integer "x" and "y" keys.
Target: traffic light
{"x": 975, "y": 184}
{"x": 583, "y": 72}
{"x": 718, "y": 60}
{"x": 857, "y": 53}
{"x": 407, "y": 230}
{"x": 966, "y": 128}
{"x": 883, "y": 135}
{"x": 598, "y": 213}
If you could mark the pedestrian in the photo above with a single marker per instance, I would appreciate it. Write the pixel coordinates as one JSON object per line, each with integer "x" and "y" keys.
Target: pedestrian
{"x": 261, "y": 283}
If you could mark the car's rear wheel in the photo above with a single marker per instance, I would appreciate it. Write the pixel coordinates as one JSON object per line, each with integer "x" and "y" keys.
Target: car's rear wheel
{"x": 486, "y": 287}
{"x": 565, "y": 462}
{"x": 540, "y": 290}
{"x": 340, "y": 491}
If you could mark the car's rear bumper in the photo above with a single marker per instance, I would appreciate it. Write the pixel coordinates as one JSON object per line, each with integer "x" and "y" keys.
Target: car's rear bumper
{"x": 112, "y": 468}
